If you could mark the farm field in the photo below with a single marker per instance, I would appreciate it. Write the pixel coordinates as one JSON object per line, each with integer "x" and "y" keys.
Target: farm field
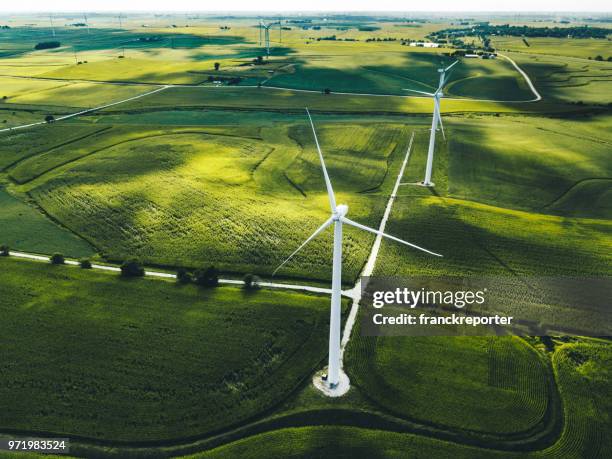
{"x": 218, "y": 167}
{"x": 582, "y": 371}
{"x": 157, "y": 361}
{"x": 504, "y": 392}
{"x": 95, "y": 186}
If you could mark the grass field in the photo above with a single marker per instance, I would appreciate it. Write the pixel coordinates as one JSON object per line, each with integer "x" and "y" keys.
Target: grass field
{"x": 93, "y": 355}
{"x": 161, "y": 194}
{"x": 568, "y": 79}
{"x": 228, "y": 175}
{"x": 583, "y": 374}
{"x": 502, "y": 390}
{"x": 26, "y": 228}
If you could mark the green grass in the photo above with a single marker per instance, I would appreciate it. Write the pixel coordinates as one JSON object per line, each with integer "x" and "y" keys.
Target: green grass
{"x": 26, "y": 228}
{"x": 582, "y": 371}
{"x": 90, "y": 354}
{"x": 502, "y": 390}
{"x": 162, "y": 194}
{"x": 567, "y": 47}
{"x": 567, "y": 79}
{"x": 530, "y": 163}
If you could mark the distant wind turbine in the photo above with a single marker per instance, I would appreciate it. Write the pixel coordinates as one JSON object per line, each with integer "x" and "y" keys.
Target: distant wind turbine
{"x": 266, "y": 29}
{"x": 337, "y": 218}
{"x": 436, "y": 119}
{"x": 86, "y": 23}
{"x": 52, "y": 26}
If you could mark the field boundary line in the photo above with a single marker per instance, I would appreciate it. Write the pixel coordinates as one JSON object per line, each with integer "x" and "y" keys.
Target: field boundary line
{"x": 165, "y": 275}
{"x": 368, "y": 269}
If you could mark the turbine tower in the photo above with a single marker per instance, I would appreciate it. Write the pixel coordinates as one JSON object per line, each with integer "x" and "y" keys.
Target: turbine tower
{"x": 337, "y": 218}
{"x": 52, "y": 26}
{"x": 436, "y": 119}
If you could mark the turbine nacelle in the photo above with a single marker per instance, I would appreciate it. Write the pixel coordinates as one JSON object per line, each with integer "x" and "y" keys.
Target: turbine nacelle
{"x": 341, "y": 211}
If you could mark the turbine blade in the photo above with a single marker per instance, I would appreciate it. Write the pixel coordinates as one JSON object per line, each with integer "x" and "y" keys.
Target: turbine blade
{"x": 451, "y": 66}
{"x": 393, "y": 238}
{"x": 315, "y": 234}
{"x": 330, "y": 191}
{"x": 419, "y": 92}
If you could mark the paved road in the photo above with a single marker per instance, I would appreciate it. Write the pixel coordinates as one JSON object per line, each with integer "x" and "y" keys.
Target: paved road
{"x": 165, "y": 275}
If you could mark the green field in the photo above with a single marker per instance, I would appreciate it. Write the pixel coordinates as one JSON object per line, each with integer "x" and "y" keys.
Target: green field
{"x": 221, "y": 169}
{"x": 503, "y": 392}
{"x": 107, "y": 187}
{"x": 143, "y": 359}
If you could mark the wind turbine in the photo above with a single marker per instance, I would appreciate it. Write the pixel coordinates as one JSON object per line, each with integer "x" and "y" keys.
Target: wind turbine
{"x": 86, "y": 23}
{"x": 266, "y": 29}
{"x": 337, "y": 218}
{"x": 436, "y": 119}
{"x": 52, "y": 26}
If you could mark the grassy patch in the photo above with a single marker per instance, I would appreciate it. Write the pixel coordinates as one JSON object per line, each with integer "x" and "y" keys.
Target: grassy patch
{"x": 90, "y": 354}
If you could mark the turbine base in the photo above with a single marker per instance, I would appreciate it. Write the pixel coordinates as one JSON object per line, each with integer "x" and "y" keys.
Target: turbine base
{"x": 337, "y": 390}
{"x": 427, "y": 184}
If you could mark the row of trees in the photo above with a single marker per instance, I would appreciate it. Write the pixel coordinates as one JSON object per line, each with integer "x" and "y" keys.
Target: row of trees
{"x": 206, "y": 277}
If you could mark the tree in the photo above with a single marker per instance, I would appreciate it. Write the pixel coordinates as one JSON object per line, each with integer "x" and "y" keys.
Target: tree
{"x": 4, "y": 250}
{"x": 182, "y": 276}
{"x": 57, "y": 259}
{"x": 85, "y": 263}
{"x": 327, "y": 91}
{"x": 132, "y": 268}
{"x": 251, "y": 282}
{"x": 217, "y": 65}
{"x": 208, "y": 277}
{"x": 599, "y": 57}
{"x": 49, "y": 118}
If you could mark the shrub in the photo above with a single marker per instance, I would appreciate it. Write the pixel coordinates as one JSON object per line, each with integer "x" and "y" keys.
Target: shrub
{"x": 208, "y": 277}
{"x": 251, "y": 282}
{"x": 217, "y": 65}
{"x": 49, "y": 118}
{"x": 132, "y": 268}
{"x": 85, "y": 263}
{"x": 4, "y": 250}
{"x": 327, "y": 91}
{"x": 182, "y": 276}
{"x": 47, "y": 45}
{"x": 57, "y": 259}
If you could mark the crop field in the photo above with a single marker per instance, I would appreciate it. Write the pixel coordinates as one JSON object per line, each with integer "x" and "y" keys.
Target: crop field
{"x": 583, "y": 371}
{"x": 581, "y": 48}
{"x": 158, "y": 361}
{"x": 569, "y": 79}
{"x": 503, "y": 392}
{"x": 154, "y": 193}
{"x": 219, "y": 167}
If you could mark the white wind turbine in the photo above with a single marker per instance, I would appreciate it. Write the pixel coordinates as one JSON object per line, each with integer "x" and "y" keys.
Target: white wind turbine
{"x": 337, "y": 218}
{"x": 436, "y": 119}
{"x": 266, "y": 28}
